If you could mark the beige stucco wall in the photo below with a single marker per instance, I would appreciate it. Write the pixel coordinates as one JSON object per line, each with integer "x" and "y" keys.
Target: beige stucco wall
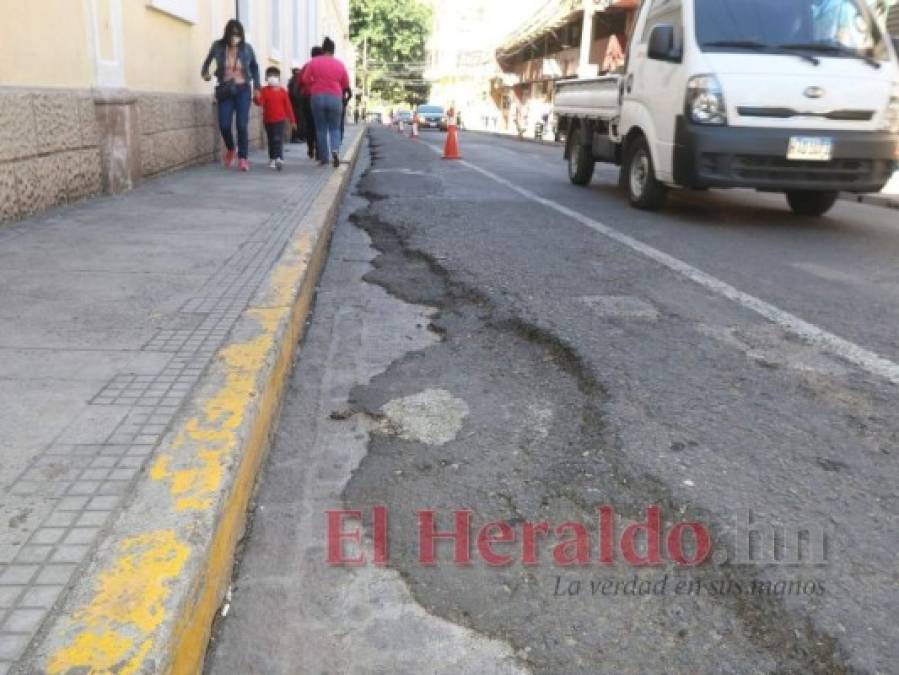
{"x": 163, "y": 53}
{"x": 97, "y": 95}
{"x": 45, "y": 43}
{"x": 56, "y": 43}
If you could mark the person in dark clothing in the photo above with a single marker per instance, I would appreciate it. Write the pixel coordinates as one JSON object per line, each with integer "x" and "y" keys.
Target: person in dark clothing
{"x": 306, "y": 108}
{"x": 295, "y": 92}
{"x": 347, "y": 97}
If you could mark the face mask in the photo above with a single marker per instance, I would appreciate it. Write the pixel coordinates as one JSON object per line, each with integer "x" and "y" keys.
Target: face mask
{"x": 273, "y": 81}
{"x": 235, "y": 40}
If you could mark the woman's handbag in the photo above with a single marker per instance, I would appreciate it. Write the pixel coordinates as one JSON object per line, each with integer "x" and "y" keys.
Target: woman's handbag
{"x": 226, "y": 90}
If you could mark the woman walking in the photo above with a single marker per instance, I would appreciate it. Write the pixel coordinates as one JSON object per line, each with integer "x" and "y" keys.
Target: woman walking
{"x": 306, "y": 105}
{"x": 325, "y": 79}
{"x": 237, "y": 74}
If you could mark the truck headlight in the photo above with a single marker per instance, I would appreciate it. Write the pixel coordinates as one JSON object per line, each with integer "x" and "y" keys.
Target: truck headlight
{"x": 705, "y": 100}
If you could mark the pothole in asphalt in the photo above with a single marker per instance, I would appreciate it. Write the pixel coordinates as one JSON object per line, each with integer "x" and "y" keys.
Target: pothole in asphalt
{"x": 536, "y": 449}
{"x": 432, "y": 417}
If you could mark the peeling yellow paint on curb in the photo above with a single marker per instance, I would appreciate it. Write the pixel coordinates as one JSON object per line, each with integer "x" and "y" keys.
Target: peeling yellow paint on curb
{"x": 131, "y": 623}
{"x": 194, "y": 484}
{"x": 128, "y": 602}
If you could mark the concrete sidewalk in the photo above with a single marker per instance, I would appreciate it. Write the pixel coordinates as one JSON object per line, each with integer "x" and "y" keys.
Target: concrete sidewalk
{"x": 113, "y": 315}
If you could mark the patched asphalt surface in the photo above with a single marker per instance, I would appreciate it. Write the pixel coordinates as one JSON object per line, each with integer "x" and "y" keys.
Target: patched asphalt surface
{"x": 594, "y": 377}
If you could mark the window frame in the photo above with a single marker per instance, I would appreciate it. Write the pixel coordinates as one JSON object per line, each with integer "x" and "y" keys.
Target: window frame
{"x": 184, "y": 10}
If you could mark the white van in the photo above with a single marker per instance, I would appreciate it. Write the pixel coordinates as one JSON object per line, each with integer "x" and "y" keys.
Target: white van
{"x": 792, "y": 96}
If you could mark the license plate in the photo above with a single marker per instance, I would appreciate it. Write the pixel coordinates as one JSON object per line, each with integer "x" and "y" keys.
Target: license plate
{"x": 810, "y": 149}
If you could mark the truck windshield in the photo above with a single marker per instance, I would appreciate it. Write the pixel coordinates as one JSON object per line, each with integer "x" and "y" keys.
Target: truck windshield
{"x": 826, "y": 27}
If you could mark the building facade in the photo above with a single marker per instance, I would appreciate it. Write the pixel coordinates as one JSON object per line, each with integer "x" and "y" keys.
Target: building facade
{"x": 893, "y": 21}
{"x": 97, "y": 95}
{"x": 565, "y": 39}
{"x": 461, "y": 62}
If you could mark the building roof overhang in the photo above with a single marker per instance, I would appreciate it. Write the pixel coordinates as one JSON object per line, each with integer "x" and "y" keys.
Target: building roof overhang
{"x": 550, "y": 19}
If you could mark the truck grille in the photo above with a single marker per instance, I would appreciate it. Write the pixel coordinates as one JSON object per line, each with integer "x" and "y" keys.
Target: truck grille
{"x": 787, "y": 113}
{"x": 779, "y": 169}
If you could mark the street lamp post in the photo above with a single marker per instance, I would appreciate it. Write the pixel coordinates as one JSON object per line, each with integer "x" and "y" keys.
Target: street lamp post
{"x": 585, "y": 68}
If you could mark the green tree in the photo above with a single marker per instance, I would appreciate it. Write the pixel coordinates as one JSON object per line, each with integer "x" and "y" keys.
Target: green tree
{"x": 391, "y": 38}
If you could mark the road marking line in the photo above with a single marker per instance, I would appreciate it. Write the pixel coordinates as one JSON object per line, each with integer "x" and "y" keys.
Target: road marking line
{"x": 864, "y": 358}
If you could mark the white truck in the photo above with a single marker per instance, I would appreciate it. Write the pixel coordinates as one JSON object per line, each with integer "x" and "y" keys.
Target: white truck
{"x": 792, "y": 96}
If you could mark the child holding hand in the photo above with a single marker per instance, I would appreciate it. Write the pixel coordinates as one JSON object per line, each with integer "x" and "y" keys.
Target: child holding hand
{"x": 276, "y": 112}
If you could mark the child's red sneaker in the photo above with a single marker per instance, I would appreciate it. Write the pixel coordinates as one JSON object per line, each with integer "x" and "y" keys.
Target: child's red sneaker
{"x": 229, "y": 159}
{"x": 244, "y": 165}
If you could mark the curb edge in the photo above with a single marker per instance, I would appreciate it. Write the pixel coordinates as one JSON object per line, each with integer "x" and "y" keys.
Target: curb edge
{"x": 147, "y": 601}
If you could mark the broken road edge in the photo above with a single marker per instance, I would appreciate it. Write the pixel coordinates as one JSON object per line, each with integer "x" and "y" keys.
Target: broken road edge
{"x": 147, "y": 600}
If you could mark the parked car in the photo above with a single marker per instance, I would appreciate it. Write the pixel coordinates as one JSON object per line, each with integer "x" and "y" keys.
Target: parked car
{"x": 432, "y": 117}
{"x": 762, "y": 94}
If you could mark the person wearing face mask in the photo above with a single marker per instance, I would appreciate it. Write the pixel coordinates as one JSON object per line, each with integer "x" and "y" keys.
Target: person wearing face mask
{"x": 237, "y": 74}
{"x": 276, "y": 110}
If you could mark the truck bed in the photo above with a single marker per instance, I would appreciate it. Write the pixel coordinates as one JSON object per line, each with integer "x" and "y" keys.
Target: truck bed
{"x": 595, "y": 97}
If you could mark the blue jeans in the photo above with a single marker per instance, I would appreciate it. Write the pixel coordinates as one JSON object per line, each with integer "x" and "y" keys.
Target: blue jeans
{"x": 327, "y": 110}
{"x": 239, "y": 105}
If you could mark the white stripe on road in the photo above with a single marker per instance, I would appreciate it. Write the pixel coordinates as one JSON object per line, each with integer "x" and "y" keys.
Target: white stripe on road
{"x": 864, "y": 358}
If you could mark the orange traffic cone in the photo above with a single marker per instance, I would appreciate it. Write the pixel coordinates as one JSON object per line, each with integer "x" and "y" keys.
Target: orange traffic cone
{"x": 451, "y": 149}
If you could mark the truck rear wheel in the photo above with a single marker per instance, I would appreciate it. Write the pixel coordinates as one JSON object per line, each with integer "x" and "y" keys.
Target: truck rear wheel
{"x": 580, "y": 159}
{"x": 639, "y": 177}
{"x": 811, "y": 202}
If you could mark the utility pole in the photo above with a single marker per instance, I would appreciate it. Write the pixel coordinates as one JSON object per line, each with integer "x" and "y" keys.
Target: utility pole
{"x": 365, "y": 72}
{"x": 585, "y": 68}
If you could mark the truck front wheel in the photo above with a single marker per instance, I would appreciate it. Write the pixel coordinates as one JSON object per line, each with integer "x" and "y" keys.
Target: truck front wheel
{"x": 580, "y": 159}
{"x": 811, "y": 202}
{"x": 639, "y": 177}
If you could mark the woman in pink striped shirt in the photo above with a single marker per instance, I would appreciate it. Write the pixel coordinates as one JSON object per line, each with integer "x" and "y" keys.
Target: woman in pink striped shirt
{"x": 325, "y": 78}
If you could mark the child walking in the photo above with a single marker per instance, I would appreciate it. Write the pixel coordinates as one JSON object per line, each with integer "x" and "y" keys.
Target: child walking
{"x": 276, "y": 111}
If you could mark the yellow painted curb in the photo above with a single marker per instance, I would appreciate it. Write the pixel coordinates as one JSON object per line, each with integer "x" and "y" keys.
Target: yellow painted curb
{"x": 147, "y": 602}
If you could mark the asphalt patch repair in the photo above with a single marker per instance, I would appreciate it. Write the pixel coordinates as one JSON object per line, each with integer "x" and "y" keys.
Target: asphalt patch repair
{"x": 534, "y": 447}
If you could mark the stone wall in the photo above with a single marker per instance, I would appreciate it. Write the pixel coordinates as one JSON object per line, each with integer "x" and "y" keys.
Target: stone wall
{"x": 58, "y": 145}
{"x": 49, "y": 149}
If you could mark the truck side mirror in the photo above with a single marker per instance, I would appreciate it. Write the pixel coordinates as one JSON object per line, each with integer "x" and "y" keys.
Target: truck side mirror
{"x": 661, "y": 44}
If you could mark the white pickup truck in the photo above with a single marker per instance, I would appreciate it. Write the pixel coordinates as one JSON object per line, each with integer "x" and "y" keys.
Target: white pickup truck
{"x": 792, "y": 96}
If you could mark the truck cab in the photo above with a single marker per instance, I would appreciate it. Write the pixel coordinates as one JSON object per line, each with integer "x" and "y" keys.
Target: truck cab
{"x": 792, "y": 96}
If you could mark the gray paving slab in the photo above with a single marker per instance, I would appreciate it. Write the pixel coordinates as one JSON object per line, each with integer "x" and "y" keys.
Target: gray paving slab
{"x": 110, "y": 312}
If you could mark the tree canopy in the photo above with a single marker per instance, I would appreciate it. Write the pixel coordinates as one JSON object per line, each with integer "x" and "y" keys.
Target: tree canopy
{"x": 396, "y": 34}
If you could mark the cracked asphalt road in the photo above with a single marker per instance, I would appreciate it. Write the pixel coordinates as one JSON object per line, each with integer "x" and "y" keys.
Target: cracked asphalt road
{"x": 498, "y": 357}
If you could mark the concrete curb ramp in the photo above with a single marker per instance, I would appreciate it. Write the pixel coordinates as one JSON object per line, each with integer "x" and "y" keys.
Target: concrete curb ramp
{"x": 147, "y": 602}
